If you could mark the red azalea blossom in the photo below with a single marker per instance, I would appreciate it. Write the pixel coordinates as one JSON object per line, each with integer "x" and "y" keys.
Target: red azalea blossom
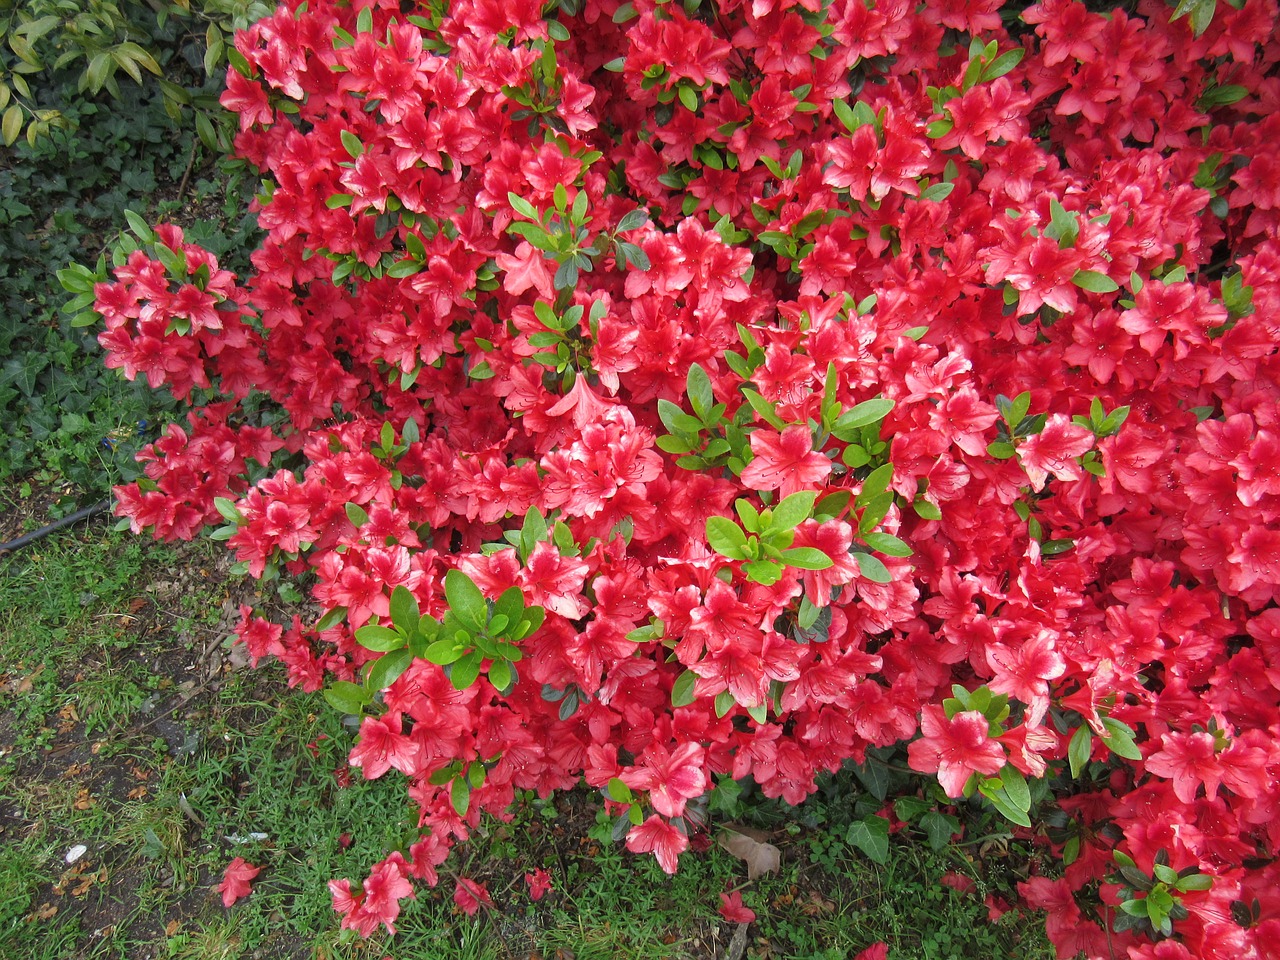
{"x": 235, "y": 880}
{"x": 955, "y": 748}
{"x": 1006, "y": 309}
{"x": 539, "y": 883}
{"x": 470, "y": 896}
{"x": 733, "y": 910}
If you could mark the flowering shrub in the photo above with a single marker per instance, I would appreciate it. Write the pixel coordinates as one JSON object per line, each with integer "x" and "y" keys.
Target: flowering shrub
{"x": 657, "y": 393}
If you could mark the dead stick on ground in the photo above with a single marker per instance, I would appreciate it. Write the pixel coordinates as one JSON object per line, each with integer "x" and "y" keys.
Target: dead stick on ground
{"x": 186, "y": 174}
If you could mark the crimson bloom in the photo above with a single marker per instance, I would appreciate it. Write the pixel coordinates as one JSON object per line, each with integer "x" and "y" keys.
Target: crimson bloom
{"x": 954, "y": 749}
{"x": 235, "y": 881}
{"x": 785, "y": 461}
{"x": 660, "y": 838}
{"x": 733, "y": 909}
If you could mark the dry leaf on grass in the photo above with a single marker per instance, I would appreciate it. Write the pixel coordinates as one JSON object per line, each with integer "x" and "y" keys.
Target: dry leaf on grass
{"x": 750, "y": 847}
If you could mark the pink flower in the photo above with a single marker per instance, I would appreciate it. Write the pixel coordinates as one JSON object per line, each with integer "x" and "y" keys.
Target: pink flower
{"x": 785, "y": 461}
{"x": 539, "y": 882}
{"x": 733, "y": 910}
{"x": 235, "y": 881}
{"x": 471, "y": 896}
{"x": 660, "y": 838}
{"x": 955, "y": 749}
{"x": 382, "y": 746}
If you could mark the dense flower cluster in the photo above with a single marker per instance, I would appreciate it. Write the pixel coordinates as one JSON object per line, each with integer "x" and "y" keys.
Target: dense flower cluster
{"x": 820, "y": 376}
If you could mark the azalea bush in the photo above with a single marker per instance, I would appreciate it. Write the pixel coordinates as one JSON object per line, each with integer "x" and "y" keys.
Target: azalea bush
{"x": 662, "y": 394}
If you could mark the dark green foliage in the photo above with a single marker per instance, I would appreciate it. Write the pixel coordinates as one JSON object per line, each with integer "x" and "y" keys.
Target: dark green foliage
{"x": 68, "y": 421}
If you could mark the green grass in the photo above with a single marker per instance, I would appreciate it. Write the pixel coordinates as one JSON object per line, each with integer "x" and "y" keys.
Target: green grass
{"x": 92, "y": 622}
{"x": 106, "y": 628}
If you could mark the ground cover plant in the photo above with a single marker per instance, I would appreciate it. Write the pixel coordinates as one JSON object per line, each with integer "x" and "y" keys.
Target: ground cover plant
{"x": 129, "y": 729}
{"x": 669, "y": 396}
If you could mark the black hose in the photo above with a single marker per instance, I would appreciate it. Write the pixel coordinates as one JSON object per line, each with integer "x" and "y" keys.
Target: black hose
{"x": 66, "y": 521}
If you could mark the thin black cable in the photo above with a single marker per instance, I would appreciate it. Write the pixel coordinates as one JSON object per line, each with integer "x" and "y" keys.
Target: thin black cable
{"x": 34, "y": 535}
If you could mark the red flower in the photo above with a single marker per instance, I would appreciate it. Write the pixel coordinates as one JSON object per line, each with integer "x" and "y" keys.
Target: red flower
{"x": 382, "y": 746}
{"x": 660, "y": 838}
{"x": 733, "y": 910}
{"x": 539, "y": 882}
{"x": 955, "y": 749}
{"x": 785, "y": 461}
{"x": 1054, "y": 450}
{"x": 235, "y": 881}
{"x": 470, "y": 896}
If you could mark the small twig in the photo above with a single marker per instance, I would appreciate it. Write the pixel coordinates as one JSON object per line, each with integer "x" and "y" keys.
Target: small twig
{"x": 191, "y": 159}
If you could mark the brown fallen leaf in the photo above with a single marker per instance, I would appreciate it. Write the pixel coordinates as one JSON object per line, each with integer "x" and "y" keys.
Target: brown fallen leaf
{"x": 46, "y": 911}
{"x": 172, "y": 927}
{"x": 760, "y": 857}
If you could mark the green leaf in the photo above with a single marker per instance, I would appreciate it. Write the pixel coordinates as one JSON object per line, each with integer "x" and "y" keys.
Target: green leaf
{"x": 887, "y": 544}
{"x": 351, "y": 143}
{"x": 356, "y": 514}
{"x": 1201, "y": 12}
{"x": 379, "y": 639}
{"x": 1119, "y": 739}
{"x": 926, "y": 509}
{"x": 228, "y": 510}
{"x": 698, "y": 385}
{"x": 765, "y": 409}
{"x": 331, "y": 619}
{"x": 682, "y": 689}
{"x": 1079, "y": 749}
{"x": 1002, "y": 64}
{"x": 460, "y": 794}
{"x": 806, "y": 558}
{"x": 876, "y": 483}
{"x": 632, "y": 220}
{"x": 465, "y": 671}
{"x": 871, "y": 836}
{"x": 1196, "y": 881}
{"x": 1015, "y": 787}
{"x": 404, "y": 609}
{"x": 937, "y": 192}
{"x": 726, "y": 538}
{"x": 443, "y": 652}
{"x": 388, "y": 668}
{"x": 793, "y": 510}
{"x": 764, "y": 572}
{"x": 999, "y": 799}
{"x": 500, "y": 675}
{"x": 873, "y": 568}
{"x": 1094, "y": 282}
{"x": 865, "y": 413}
{"x": 347, "y": 697}
{"x": 466, "y": 602}
{"x": 523, "y": 207}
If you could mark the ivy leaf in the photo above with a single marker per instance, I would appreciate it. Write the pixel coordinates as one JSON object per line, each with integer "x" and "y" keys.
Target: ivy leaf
{"x": 871, "y": 836}
{"x": 940, "y": 828}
